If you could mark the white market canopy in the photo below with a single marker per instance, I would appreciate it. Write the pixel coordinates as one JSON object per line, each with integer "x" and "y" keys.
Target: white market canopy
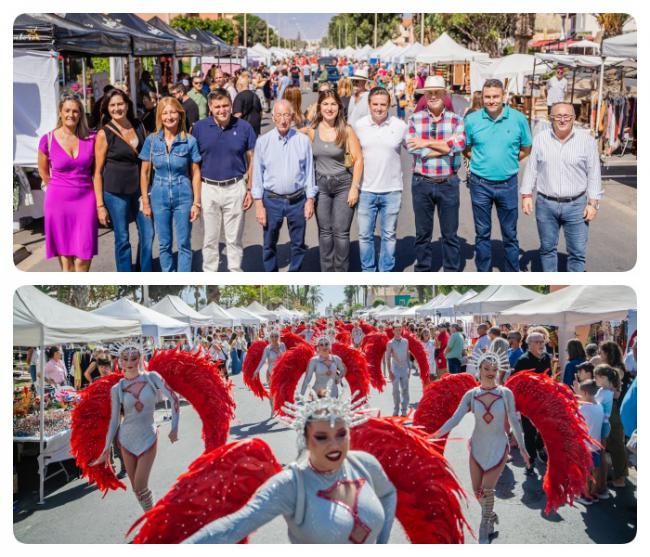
{"x": 247, "y": 317}
{"x": 40, "y": 320}
{"x": 445, "y": 50}
{"x": 583, "y": 45}
{"x": 579, "y": 60}
{"x": 259, "y": 309}
{"x": 495, "y": 299}
{"x": 430, "y": 307}
{"x": 174, "y": 307}
{"x": 154, "y": 324}
{"x": 220, "y": 317}
{"x": 623, "y": 45}
{"x": 446, "y": 307}
{"x": 411, "y": 311}
{"x": 408, "y": 54}
{"x": 285, "y": 314}
{"x": 467, "y": 296}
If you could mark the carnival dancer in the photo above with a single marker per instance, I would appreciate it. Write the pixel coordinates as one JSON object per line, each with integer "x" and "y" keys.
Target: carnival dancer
{"x": 308, "y": 332}
{"x": 134, "y": 396}
{"x": 328, "y": 369}
{"x": 491, "y": 405}
{"x": 271, "y": 353}
{"x": 357, "y": 334}
{"x": 397, "y": 353}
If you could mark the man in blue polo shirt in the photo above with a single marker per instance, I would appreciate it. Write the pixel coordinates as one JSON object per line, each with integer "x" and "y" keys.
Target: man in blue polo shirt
{"x": 497, "y": 138}
{"x": 226, "y": 144}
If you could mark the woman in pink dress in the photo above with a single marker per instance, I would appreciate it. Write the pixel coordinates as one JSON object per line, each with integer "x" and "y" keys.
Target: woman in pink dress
{"x": 65, "y": 164}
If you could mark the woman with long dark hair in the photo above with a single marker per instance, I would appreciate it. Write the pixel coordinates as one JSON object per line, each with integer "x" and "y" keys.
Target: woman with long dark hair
{"x": 117, "y": 179}
{"x": 577, "y": 355}
{"x": 339, "y": 166}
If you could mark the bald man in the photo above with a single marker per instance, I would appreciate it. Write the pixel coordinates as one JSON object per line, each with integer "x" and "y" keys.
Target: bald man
{"x": 283, "y": 186}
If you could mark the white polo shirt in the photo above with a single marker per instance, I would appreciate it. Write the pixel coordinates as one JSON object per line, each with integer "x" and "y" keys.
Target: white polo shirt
{"x": 381, "y": 146}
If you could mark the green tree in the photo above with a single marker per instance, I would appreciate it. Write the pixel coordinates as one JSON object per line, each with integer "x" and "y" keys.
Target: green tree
{"x": 82, "y": 297}
{"x": 360, "y": 29}
{"x": 158, "y": 292}
{"x": 314, "y": 298}
{"x": 378, "y": 302}
{"x": 611, "y": 24}
{"x": 222, "y": 28}
{"x": 255, "y": 31}
{"x": 349, "y": 292}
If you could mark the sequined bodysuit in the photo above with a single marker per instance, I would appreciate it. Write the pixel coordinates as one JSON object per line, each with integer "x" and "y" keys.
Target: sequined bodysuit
{"x": 137, "y": 397}
{"x": 491, "y": 408}
{"x": 325, "y": 371}
{"x": 356, "y": 504}
{"x": 270, "y": 356}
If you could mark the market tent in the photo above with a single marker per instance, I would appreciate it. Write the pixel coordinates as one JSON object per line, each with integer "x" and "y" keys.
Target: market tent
{"x": 183, "y": 45}
{"x": 51, "y": 31}
{"x": 285, "y": 315}
{"x": 622, "y": 45}
{"x": 154, "y": 324}
{"x": 220, "y": 317}
{"x": 259, "y": 309}
{"x": 247, "y": 317}
{"x": 584, "y": 45}
{"x": 513, "y": 68}
{"x": 175, "y": 307}
{"x": 496, "y": 298}
{"x": 467, "y": 296}
{"x": 392, "y": 313}
{"x": 410, "y": 312}
{"x": 41, "y": 320}
{"x": 573, "y": 306}
{"x": 445, "y": 50}
{"x": 429, "y": 307}
{"x": 446, "y": 307}
{"x": 211, "y": 46}
{"x": 409, "y": 54}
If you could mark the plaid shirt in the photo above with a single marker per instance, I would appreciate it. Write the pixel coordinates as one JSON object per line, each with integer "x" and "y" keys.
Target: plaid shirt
{"x": 449, "y": 128}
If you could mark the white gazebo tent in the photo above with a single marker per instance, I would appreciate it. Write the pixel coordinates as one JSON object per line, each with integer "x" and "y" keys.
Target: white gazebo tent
{"x": 467, "y": 296}
{"x": 581, "y": 47}
{"x": 154, "y": 324}
{"x": 285, "y": 315}
{"x": 410, "y": 313}
{"x": 495, "y": 299}
{"x": 622, "y": 45}
{"x": 513, "y": 68}
{"x": 247, "y": 317}
{"x": 573, "y": 306}
{"x": 446, "y": 307}
{"x": 409, "y": 54}
{"x": 428, "y": 309}
{"x": 39, "y": 320}
{"x": 174, "y": 307}
{"x": 220, "y": 317}
{"x": 259, "y": 309}
{"x": 445, "y": 50}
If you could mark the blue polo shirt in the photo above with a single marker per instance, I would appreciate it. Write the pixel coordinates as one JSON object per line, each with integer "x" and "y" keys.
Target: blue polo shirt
{"x": 495, "y": 143}
{"x": 223, "y": 150}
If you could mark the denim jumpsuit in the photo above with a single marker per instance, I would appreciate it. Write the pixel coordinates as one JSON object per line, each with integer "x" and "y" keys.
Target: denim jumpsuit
{"x": 171, "y": 195}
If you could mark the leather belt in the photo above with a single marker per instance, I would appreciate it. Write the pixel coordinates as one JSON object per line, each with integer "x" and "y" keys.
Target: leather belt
{"x": 222, "y": 183}
{"x": 435, "y": 180}
{"x": 561, "y": 199}
{"x": 290, "y": 197}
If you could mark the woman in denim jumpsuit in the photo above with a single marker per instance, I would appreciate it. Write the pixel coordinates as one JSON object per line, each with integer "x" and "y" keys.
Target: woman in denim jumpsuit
{"x": 172, "y": 156}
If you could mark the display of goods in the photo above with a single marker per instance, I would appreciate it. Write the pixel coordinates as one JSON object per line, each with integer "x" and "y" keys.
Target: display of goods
{"x": 55, "y": 422}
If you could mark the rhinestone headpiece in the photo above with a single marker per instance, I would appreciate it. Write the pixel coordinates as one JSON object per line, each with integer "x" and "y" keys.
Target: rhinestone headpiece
{"x": 497, "y": 354}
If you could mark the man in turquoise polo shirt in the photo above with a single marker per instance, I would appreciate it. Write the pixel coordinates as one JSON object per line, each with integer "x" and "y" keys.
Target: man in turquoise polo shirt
{"x": 498, "y": 137}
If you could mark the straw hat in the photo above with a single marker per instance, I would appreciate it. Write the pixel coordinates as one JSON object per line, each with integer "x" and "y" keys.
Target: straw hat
{"x": 360, "y": 74}
{"x": 433, "y": 82}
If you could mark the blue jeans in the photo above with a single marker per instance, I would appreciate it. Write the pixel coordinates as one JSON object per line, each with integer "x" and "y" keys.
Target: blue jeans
{"x": 276, "y": 211}
{"x": 504, "y": 195}
{"x": 453, "y": 365}
{"x": 123, "y": 210}
{"x": 32, "y": 372}
{"x": 552, "y": 215}
{"x": 388, "y": 206}
{"x": 426, "y": 194}
{"x": 171, "y": 205}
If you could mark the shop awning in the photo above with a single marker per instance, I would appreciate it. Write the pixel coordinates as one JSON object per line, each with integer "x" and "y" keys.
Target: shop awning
{"x": 174, "y": 307}
{"x": 135, "y": 22}
{"x": 185, "y": 45}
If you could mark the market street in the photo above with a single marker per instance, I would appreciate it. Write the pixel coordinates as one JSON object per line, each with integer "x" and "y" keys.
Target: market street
{"x": 76, "y": 513}
{"x": 612, "y": 236}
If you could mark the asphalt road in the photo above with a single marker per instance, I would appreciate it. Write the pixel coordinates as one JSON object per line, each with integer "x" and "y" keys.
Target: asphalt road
{"x": 76, "y": 513}
{"x": 612, "y": 242}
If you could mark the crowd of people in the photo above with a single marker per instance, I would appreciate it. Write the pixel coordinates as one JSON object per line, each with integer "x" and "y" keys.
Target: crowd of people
{"x": 198, "y": 154}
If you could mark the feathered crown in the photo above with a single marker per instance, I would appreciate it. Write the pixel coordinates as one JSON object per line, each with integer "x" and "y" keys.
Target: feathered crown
{"x": 119, "y": 348}
{"x": 497, "y": 354}
{"x": 311, "y": 407}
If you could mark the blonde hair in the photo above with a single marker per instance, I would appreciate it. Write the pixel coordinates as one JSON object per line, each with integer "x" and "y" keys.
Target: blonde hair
{"x": 242, "y": 83}
{"x": 345, "y": 87}
{"x": 294, "y": 97}
{"x": 82, "y": 131}
{"x": 178, "y": 107}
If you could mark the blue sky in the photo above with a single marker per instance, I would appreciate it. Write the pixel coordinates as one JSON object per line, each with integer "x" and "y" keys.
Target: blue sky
{"x": 311, "y": 26}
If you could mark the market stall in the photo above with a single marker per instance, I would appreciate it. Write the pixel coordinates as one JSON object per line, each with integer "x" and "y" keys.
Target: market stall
{"x": 174, "y": 307}
{"x": 220, "y": 317}
{"x": 41, "y": 321}
{"x": 429, "y": 309}
{"x": 495, "y": 299}
{"x": 247, "y": 317}
{"x": 259, "y": 309}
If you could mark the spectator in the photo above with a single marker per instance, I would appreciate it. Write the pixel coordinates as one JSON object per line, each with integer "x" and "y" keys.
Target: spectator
{"x": 149, "y": 113}
{"x": 358, "y": 106}
{"x": 190, "y": 108}
{"x": 247, "y": 105}
{"x": 556, "y": 88}
{"x": 591, "y": 350}
{"x": 285, "y": 81}
{"x": 198, "y": 96}
{"x": 54, "y": 371}
{"x": 455, "y": 349}
{"x": 294, "y": 96}
{"x": 593, "y": 414}
{"x": 515, "y": 351}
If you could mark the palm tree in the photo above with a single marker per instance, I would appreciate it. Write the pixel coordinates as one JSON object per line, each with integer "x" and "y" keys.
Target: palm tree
{"x": 315, "y": 297}
{"x": 611, "y": 24}
{"x": 349, "y": 293}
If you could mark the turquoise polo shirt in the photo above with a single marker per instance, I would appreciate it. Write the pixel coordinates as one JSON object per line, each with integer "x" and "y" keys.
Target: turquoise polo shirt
{"x": 495, "y": 143}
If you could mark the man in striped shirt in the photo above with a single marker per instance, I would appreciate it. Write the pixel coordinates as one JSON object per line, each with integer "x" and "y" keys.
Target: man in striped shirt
{"x": 436, "y": 139}
{"x": 564, "y": 168}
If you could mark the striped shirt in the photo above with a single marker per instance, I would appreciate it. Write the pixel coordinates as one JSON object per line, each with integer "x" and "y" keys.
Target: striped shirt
{"x": 449, "y": 128}
{"x": 563, "y": 169}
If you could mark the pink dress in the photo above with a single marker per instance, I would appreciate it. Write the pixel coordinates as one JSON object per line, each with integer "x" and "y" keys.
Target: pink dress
{"x": 70, "y": 209}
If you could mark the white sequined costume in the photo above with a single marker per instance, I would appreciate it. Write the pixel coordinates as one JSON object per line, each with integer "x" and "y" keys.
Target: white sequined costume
{"x": 325, "y": 372}
{"x": 137, "y": 397}
{"x": 491, "y": 408}
{"x": 270, "y": 356}
{"x": 356, "y": 504}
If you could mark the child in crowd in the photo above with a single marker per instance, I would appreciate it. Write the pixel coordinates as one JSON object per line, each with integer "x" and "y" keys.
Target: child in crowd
{"x": 607, "y": 379}
{"x": 594, "y": 416}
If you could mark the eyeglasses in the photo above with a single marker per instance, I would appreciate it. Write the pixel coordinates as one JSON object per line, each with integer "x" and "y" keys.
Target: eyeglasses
{"x": 283, "y": 116}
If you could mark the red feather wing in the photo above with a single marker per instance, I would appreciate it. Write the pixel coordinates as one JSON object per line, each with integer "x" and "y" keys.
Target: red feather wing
{"x": 357, "y": 373}
{"x": 251, "y": 363}
{"x": 291, "y": 340}
{"x": 216, "y": 484}
{"x": 440, "y": 400}
{"x": 300, "y": 328}
{"x": 197, "y": 379}
{"x": 288, "y": 369}
{"x": 428, "y": 494}
{"x": 553, "y": 409}
{"x": 389, "y": 333}
{"x": 90, "y": 419}
{"x": 416, "y": 348}
{"x": 374, "y": 348}
{"x": 366, "y": 328}
{"x": 344, "y": 338}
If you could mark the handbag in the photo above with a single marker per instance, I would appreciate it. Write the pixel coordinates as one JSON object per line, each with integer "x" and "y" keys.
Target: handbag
{"x": 348, "y": 159}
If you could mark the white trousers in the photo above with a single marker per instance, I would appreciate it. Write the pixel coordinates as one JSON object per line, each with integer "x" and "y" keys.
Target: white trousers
{"x": 401, "y": 393}
{"x": 223, "y": 205}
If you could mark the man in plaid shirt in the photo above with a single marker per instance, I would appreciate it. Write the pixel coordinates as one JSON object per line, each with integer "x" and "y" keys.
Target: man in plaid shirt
{"x": 436, "y": 141}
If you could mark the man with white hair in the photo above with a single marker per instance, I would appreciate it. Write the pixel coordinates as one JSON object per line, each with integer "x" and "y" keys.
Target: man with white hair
{"x": 283, "y": 186}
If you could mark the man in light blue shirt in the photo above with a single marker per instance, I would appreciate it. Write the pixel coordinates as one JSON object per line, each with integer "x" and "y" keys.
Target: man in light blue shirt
{"x": 497, "y": 137}
{"x": 285, "y": 81}
{"x": 283, "y": 186}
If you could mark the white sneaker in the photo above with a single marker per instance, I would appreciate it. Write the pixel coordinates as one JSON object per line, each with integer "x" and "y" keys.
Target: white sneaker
{"x": 583, "y": 500}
